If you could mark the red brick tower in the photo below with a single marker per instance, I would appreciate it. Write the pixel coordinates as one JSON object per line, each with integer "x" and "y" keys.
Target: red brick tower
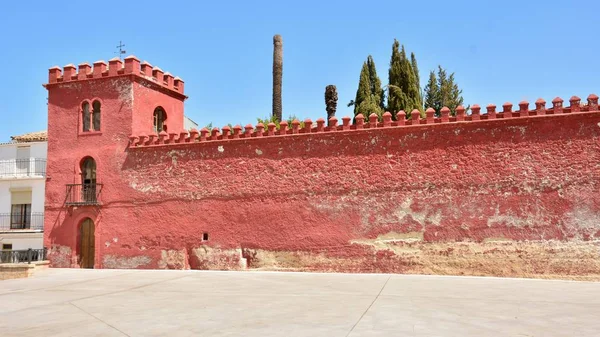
{"x": 91, "y": 113}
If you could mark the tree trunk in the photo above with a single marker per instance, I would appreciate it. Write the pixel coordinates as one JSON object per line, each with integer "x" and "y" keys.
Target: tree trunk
{"x": 277, "y": 76}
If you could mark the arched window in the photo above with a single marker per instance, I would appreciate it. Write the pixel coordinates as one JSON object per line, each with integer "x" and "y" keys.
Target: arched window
{"x": 159, "y": 120}
{"x": 88, "y": 179}
{"x": 96, "y": 115}
{"x": 88, "y": 171}
{"x": 85, "y": 110}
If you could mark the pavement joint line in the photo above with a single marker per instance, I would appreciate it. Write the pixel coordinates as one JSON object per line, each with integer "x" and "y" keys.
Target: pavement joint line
{"x": 98, "y": 319}
{"x": 99, "y": 295}
{"x": 408, "y": 303}
{"x": 501, "y": 300}
{"x": 412, "y": 312}
{"x": 62, "y": 285}
{"x": 132, "y": 288}
{"x": 257, "y": 294}
{"x": 426, "y": 276}
{"x": 369, "y": 307}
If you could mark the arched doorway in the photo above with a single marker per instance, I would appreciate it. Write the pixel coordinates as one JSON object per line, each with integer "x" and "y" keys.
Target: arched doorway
{"x": 87, "y": 245}
{"x": 88, "y": 180}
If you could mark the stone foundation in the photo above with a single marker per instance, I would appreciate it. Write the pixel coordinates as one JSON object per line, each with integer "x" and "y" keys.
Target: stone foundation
{"x": 20, "y": 270}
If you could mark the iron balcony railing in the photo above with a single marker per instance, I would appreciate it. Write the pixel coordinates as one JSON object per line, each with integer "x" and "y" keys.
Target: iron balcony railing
{"x": 83, "y": 194}
{"x": 17, "y": 221}
{"x": 20, "y": 168}
{"x": 22, "y": 256}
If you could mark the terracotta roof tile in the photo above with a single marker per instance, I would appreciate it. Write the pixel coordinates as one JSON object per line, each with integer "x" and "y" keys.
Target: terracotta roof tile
{"x": 39, "y": 136}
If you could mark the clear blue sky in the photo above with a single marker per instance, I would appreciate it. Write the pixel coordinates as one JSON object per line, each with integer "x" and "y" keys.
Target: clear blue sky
{"x": 500, "y": 50}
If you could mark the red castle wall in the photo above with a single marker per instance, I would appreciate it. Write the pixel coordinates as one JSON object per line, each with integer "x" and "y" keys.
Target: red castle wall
{"x": 482, "y": 194}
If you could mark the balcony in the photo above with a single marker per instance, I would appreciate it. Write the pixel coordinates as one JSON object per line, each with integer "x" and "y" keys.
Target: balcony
{"x": 21, "y": 222}
{"x": 22, "y": 168}
{"x": 83, "y": 194}
{"x": 23, "y": 256}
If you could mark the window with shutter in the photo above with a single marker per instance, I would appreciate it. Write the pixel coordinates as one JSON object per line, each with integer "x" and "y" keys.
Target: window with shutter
{"x": 20, "y": 213}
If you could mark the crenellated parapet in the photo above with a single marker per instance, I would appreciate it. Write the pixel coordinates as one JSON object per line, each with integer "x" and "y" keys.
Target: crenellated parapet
{"x": 371, "y": 122}
{"x": 114, "y": 68}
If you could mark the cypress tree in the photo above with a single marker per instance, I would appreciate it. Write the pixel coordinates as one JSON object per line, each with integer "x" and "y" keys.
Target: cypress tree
{"x": 364, "y": 88}
{"x": 404, "y": 92}
{"x": 369, "y": 93}
{"x": 411, "y": 88}
{"x": 404, "y": 83}
{"x": 454, "y": 94}
{"x": 369, "y": 106}
{"x": 376, "y": 88}
{"x": 442, "y": 91}
{"x": 432, "y": 92}
{"x": 444, "y": 88}
{"x": 415, "y": 68}
{"x": 396, "y": 97}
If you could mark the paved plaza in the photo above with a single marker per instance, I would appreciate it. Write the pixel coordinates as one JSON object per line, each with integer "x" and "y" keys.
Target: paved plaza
{"x": 70, "y": 302}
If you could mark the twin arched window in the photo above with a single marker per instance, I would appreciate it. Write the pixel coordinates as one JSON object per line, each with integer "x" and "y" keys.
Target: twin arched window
{"x": 159, "y": 120}
{"x": 91, "y": 119}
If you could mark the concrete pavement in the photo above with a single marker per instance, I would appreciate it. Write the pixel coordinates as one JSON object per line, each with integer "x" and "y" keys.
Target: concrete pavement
{"x": 71, "y": 302}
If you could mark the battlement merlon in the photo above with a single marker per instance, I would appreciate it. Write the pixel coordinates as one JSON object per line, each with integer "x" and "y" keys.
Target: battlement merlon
{"x": 116, "y": 68}
{"x": 415, "y": 120}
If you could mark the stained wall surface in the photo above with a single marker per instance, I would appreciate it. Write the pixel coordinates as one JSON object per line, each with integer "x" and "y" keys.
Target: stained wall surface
{"x": 505, "y": 196}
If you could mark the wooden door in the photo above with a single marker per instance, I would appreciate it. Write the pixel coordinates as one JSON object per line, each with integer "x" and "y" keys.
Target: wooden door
{"x": 87, "y": 244}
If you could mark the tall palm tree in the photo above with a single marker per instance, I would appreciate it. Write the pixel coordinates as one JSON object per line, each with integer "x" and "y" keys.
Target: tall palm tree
{"x": 277, "y": 76}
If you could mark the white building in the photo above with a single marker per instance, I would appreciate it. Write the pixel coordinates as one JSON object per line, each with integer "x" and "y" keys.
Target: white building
{"x": 22, "y": 186}
{"x": 189, "y": 124}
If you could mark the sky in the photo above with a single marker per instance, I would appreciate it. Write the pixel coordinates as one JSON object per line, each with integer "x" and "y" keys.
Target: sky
{"x": 499, "y": 50}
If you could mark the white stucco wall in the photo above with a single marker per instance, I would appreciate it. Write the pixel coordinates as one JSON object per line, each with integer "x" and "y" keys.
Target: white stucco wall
{"x": 27, "y": 181}
{"x": 189, "y": 124}
{"x": 23, "y": 241}
{"x": 37, "y": 187}
{"x": 37, "y": 150}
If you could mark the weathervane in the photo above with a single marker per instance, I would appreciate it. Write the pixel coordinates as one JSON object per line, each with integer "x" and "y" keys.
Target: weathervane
{"x": 121, "y": 51}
